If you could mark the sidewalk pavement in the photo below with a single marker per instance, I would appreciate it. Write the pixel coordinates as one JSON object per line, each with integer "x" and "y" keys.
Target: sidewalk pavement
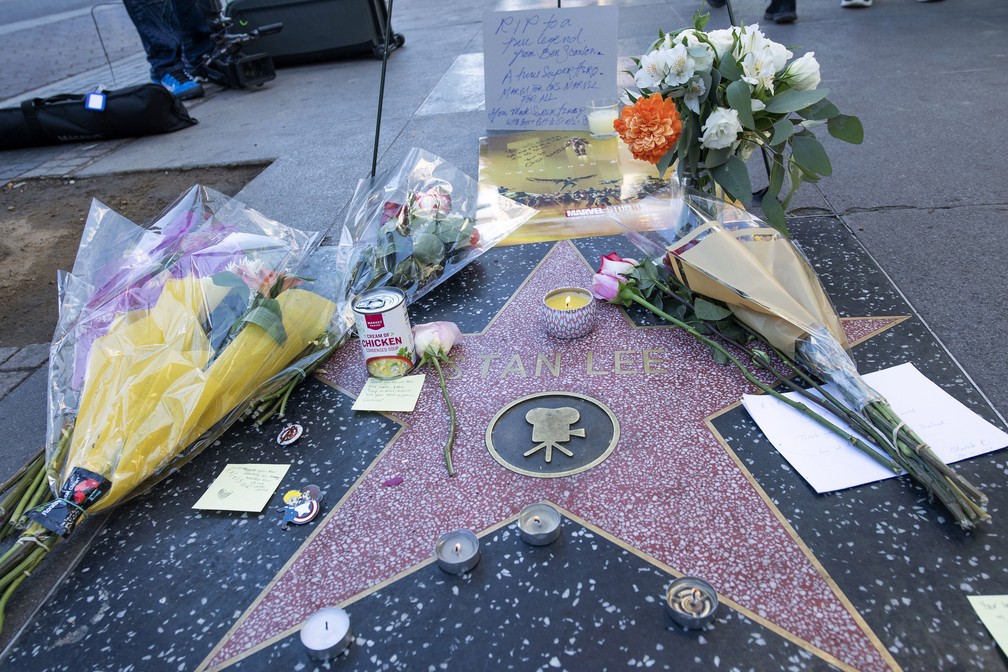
{"x": 925, "y": 194}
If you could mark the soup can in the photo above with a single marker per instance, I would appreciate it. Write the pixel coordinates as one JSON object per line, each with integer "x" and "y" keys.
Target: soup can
{"x": 385, "y": 333}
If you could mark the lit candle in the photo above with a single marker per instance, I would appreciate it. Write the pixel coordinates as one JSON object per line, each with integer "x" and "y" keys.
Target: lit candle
{"x": 691, "y": 602}
{"x": 326, "y": 634}
{"x": 568, "y": 312}
{"x": 539, "y": 524}
{"x": 567, "y": 299}
{"x": 457, "y": 552}
{"x": 601, "y": 115}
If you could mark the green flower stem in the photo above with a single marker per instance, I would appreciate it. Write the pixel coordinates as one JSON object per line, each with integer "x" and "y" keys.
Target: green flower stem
{"x": 878, "y": 423}
{"x": 449, "y": 444}
{"x": 636, "y": 297}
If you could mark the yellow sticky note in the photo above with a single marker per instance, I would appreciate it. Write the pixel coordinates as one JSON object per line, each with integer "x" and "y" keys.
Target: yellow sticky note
{"x": 396, "y": 394}
{"x": 243, "y": 487}
{"x": 993, "y": 611}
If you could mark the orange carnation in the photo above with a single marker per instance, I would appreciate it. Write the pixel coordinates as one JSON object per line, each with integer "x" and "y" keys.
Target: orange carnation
{"x": 650, "y": 127}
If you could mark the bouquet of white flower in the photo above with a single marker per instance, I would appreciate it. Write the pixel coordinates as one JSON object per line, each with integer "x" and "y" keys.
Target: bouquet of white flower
{"x": 707, "y": 100}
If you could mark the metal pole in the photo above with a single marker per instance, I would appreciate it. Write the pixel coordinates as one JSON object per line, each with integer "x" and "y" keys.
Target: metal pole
{"x": 381, "y": 87}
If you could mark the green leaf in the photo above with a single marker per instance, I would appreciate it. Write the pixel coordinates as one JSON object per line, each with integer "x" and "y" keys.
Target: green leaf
{"x": 730, "y": 69}
{"x": 774, "y": 212}
{"x": 733, "y": 176}
{"x": 809, "y": 154}
{"x": 792, "y": 100}
{"x": 782, "y": 130}
{"x": 267, "y": 316}
{"x": 716, "y": 157}
{"x": 428, "y": 248}
{"x": 665, "y": 161}
{"x": 709, "y": 311}
{"x": 700, "y": 20}
{"x": 847, "y": 128}
{"x": 227, "y": 279}
{"x": 738, "y": 94}
{"x": 824, "y": 109}
{"x": 720, "y": 357}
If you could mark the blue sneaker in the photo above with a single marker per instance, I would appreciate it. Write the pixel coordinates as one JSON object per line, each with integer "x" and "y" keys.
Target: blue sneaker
{"x": 181, "y": 85}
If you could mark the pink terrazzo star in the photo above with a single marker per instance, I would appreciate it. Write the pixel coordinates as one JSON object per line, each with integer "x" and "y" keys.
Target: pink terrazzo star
{"x": 670, "y": 489}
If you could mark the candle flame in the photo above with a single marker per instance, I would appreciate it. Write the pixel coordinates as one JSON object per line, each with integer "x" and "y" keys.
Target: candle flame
{"x": 535, "y": 519}
{"x": 697, "y": 594}
{"x": 458, "y": 548}
{"x": 568, "y": 303}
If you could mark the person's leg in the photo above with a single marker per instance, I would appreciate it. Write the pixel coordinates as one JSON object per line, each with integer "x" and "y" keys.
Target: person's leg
{"x": 158, "y": 29}
{"x": 781, "y": 11}
{"x": 194, "y": 32}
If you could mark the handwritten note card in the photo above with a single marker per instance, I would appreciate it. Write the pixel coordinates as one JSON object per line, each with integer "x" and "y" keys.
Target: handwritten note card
{"x": 243, "y": 487}
{"x": 397, "y": 394}
{"x": 993, "y": 611}
{"x": 829, "y": 463}
{"x": 541, "y": 67}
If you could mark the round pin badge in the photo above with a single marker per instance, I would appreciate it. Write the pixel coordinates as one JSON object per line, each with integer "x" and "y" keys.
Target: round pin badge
{"x": 290, "y": 434}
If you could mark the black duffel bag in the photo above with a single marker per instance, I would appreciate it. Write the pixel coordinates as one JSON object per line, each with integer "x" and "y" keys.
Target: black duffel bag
{"x": 144, "y": 109}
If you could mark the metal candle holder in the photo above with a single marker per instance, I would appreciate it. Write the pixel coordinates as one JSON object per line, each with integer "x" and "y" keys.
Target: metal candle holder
{"x": 691, "y": 602}
{"x": 539, "y": 524}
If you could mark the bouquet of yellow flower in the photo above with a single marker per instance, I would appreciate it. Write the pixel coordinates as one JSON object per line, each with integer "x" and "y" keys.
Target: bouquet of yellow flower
{"x": 165, "y": 335}
{"x": 707, "y": 100}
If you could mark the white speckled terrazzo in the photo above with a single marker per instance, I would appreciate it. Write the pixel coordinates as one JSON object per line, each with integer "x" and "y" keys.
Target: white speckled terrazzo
{"x": 669, "y": 489}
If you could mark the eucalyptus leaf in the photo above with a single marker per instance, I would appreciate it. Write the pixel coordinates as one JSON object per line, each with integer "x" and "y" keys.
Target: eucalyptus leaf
{"x": 793, "y": 100}
{"x": 665, "y": 161}
{"x": 847, "y": 128}
{"x": 733, "y": 176}
{"x": 739, "y": 98}
{"x": 782, "y": 130}
{"x": 808, "y": 152}
{"x": 716, "y": 157}
{"x": 730, "y": 70}
{"x": 774, "y": 212}
{"x": 824, "y": 109}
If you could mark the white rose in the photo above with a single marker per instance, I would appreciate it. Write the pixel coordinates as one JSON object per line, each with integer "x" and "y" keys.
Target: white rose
{"x": 803, "y": 74}
{"x": 721, "y": 129}
{"x": 722, "y": 40}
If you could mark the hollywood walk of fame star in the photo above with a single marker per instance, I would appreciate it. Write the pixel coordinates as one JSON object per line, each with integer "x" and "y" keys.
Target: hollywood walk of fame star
{"x": 670, "y": 489}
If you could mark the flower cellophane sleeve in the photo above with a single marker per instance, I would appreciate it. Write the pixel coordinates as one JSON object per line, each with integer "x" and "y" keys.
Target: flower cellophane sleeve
{"x": 723, "y": 252}
{"x": 165, "y": 332}
{"x": 417, "y": 224}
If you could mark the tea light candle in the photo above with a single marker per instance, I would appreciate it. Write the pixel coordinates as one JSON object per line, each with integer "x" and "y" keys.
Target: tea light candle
{"x": 691, "y": 602}
{"x": 568, "y": 312}
{"x": 457, "y": 552}
{"x": 601, "y": 115}
{"x": 326, "y": 634}
{"x": 539, "y": 524}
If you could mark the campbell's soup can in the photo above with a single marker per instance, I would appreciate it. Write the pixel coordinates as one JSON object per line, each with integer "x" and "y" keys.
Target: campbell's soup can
{"x": 385, "y": 333}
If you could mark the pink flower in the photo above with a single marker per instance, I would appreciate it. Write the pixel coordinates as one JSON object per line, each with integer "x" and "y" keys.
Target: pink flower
{"x": 605, "y": 287}
{"x": 616, "y": 266}
{"x": 437, "y": 338}
{"x": 434, "y": 203}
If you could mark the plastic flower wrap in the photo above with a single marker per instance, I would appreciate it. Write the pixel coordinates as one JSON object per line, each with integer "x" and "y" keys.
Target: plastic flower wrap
{"x": 719, "y": 261}
{"x": 165, "y": 334}
{"x": 417, "y": 224}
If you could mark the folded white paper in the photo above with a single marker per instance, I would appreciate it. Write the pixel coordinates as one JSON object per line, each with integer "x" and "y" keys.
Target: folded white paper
{"x": 829, "y": 463}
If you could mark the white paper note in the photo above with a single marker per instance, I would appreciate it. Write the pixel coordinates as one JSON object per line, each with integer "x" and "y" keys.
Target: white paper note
{"x": 829, "y": 463}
